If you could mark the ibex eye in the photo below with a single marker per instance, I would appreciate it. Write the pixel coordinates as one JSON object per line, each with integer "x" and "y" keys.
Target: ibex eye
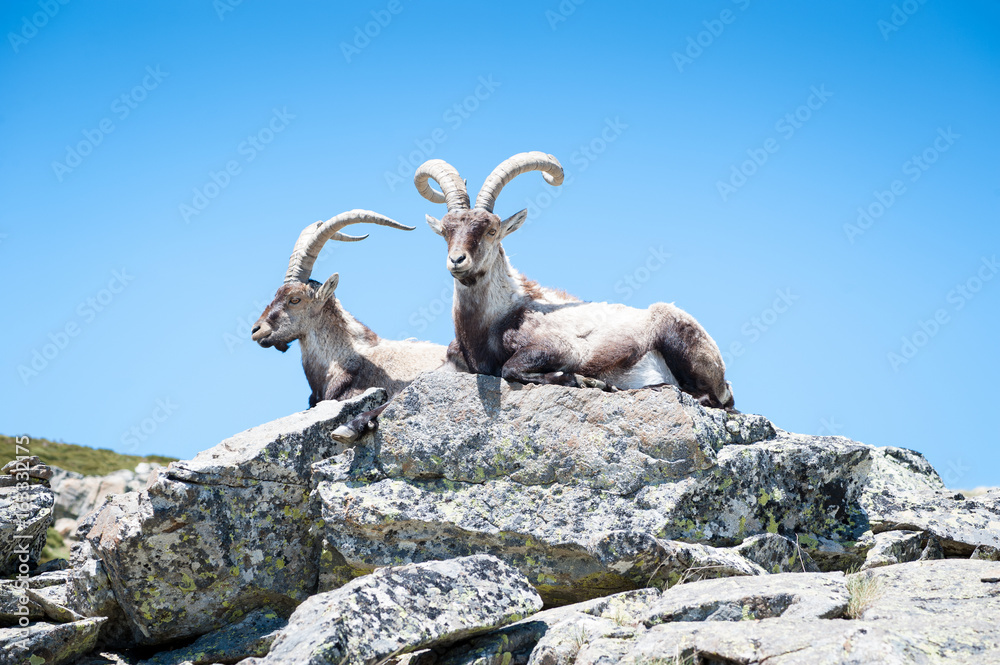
{"x": 294, "y": 301}
{"x": 493, "y": 232}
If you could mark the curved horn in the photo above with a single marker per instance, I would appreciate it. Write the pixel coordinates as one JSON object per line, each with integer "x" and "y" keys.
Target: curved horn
{"x": 453, "y": 187}
{"x": 509, "y": 169}
{"x": 314, "y": 236}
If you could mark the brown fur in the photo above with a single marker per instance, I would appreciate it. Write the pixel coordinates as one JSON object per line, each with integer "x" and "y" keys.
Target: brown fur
{"x": 341, "y": 356}
{"x": 507, "y": 325}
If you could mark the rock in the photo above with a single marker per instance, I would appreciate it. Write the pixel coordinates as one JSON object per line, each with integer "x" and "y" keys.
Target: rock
{"x": 961, "y": 525}
{"x": 514, "y": 644}
{"x": 215, "y": 537}
{"x": 31, "y": 466}
{"x": 36, "y": 597}
{"x": 397, "y": 610}
{"x": 638, "y": 556}
{"x": 891, "y": 547}
{"x": 541, "y": 475}
{"x": 77, "y": 495}
{"x": 48, "y": 644}
{"x": 920, "y": 612}
{"x": 25, "y": 516}
{"x": 15, "y": 604}
{"x": 250, "y": 637}
{"x": 89, "y": 593}
{"x": 776, "y": 554}
{"x": 986, "y": 553}
{"x": 788, "y": 595}
{"x": 105, "y": 658}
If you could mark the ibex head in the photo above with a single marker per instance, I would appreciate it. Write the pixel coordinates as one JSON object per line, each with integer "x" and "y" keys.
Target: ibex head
{"x": 297, "y": 304}
{"x": 474, "y": 235}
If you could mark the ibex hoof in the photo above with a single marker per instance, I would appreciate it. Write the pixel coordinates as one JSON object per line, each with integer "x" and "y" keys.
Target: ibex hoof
{"x": 587, "y": 382}
{"x": 345, "y": 434}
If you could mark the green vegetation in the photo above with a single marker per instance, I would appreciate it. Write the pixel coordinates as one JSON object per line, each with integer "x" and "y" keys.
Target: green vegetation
{"x": 88, "y": 461}
{"x": 55, "y": 547}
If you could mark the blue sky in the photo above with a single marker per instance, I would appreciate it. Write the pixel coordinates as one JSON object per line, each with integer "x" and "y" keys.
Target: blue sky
{"x": 160, "y": 159}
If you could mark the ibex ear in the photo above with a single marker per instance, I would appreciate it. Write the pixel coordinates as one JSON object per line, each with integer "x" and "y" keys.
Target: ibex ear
{"x": 325, "y": 292}
{"x": 513, "y": 223}
{"x": 435, "y": 225}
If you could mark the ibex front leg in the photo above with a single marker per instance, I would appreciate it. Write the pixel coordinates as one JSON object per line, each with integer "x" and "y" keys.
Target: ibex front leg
{"x": 357, "y": 426}
{"x": 541, "y": 366}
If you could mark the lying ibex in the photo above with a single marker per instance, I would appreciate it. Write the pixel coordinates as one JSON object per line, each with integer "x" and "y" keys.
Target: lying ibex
{"x": 508, "y": 326}
{"x": 340, "y": 355}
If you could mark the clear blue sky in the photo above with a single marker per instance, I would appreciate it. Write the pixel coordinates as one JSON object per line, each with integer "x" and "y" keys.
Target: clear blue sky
{"x": 654, "y": 110}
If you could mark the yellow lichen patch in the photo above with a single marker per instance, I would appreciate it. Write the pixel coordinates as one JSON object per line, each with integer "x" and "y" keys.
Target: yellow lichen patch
{"x": 187, "y": 583}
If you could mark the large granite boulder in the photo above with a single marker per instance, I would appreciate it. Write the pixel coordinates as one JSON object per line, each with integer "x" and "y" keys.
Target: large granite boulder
{"x": 212, "y": 538}
{"x": 639, "y": 504}
{"x": 588, "y": 492}
{"x": 403, "y": 609}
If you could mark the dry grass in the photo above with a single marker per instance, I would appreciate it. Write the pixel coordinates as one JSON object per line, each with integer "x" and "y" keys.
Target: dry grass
{"x": 864, "y": 590}
{"x": 979, "y": 491}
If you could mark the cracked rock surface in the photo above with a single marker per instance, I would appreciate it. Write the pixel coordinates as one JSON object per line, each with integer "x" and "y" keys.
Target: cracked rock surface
{"x": 397, "y": 610}
{"x": 590, "y": 493}
{"x": 652, "y": 529}
{"x": 212, "y": 538}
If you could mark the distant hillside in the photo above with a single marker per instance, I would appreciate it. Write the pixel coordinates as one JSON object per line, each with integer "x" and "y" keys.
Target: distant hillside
{"x": 69, "y": 456}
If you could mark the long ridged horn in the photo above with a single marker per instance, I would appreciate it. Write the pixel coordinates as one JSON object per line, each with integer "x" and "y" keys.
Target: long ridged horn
{"x": 453, "y": 190}
{"x": 509, "y": 169}
{"x": 314, "y": 236}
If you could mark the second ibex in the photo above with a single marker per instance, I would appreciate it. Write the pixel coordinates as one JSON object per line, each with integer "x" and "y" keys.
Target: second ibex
{"x": 508, "y": 326}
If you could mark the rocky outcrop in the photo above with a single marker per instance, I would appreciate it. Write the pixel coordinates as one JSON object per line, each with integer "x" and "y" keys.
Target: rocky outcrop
{"x": 637, "y": 516}
{"x": 252, "y": 636}
{"x": 77, "y": 494}
{"x": 959, "y": 525}
{"x": 398, "y": 610}
{"x": 225, "y": 533}
{"x": 26, "y": 502}
{"x": 921, "y": 612}
{"x": 51, "y": 644}
{"x": 587, "y": 492}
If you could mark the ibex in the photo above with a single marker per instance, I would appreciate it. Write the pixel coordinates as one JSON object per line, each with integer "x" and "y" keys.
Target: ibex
{"x": 508, "y": 326}
{"x": 340, "y": 355}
